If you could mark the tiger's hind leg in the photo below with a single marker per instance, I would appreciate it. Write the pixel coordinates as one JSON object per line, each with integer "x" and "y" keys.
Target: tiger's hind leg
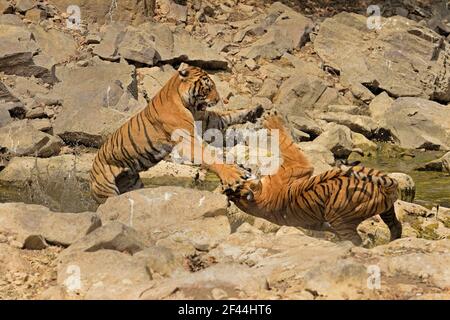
{"x": 395, "y": 227}
{"x": 347, "y": 231}
{"x": 128, "y": 181}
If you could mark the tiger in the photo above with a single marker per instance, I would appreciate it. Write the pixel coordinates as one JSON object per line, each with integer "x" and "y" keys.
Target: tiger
{"x": 146, "y": 138}
{"x": 337, "y": 200}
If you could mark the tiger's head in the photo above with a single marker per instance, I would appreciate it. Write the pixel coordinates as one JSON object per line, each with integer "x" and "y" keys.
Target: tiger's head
{"x": 197, "y": 90}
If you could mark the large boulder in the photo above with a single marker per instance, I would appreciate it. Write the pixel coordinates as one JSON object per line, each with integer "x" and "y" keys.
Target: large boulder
{"x": 403, "y": 57}
{"x": 97, "y": 99}
{"x": 418, "y": 123}
{"x": 171, "y": 214}
{"x": 19, "y": 54}
{"x": 35, "y": 227}
{"x": 152, "y": 43}
{"x": 283, "y": 31}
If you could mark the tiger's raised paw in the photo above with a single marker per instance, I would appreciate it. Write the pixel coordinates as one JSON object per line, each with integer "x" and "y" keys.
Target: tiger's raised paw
{"x": 232, "y": 177}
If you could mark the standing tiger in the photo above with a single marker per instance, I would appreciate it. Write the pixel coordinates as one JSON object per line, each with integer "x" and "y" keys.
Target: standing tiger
{"x": 146, "y": 138}
{"x": 337, "y": 200}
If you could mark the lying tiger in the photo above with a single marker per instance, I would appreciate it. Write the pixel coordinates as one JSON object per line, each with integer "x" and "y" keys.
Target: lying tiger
{"x": 146, "y": 138}
{"x": 337, "y": 200}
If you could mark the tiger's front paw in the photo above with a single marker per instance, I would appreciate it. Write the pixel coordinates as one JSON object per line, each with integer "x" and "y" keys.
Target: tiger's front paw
{"x": 254, "y": 114}
{"x": 232, "y": 177}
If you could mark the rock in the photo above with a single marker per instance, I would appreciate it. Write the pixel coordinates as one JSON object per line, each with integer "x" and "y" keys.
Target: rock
{"x": 5, "y": 7}
{"x": 5, "y": 94}
{"x": 251, "y": 64}
{"x": 344, "y": 42}
{"x": 101, "y": 274}
{"x": 380, "y": 105}
{"x": 18, "y": 54}
{"x": 360, "y": 124}
{"x": 35, "y": 226}
{"x": 170, "y": 211}
{"x": 96, "y": 100}
{"x": 150, "y": 43}
{"x": 5, "y": 115}
{"x": 362, "y": 143}
{"x": 417, "y": 123}
{"x": 306, "y": 92}
{"x": 112, "y": 35}
{"x": 289, "y": 30}
{"x": 60, "y": 183}
{"x": 136, "y": 46}
{"x": 161, "y": 261}
{"x": 153, "y": 79}
{"x": 22, "y": 139}
{"x": 43, "y": 125}
{"x": 173, "y": 174}
{"x": 337, "y": 139}
{"x": 11, "y": 19}
{"x": 24, "y": 5}
{"x": 230, "y": 278}
{"x": 319, "y": 155}
{"x": 102, "y": 11}
{"x": 58, "y": 46}
{"x": 112, "y": 236}
{"x": 406, "y": 186}
{"x": 442, "y": 164}
{"x": 172, "y": 11}
{"x": 36, "y": 15}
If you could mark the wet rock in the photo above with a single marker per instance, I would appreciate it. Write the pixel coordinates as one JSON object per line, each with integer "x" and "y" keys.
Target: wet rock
{"x": 34, "y": 226}
{"x": 442, "y": 164}
{"x": 22, "y": 139}
{"x": 96, "y": 100}
{"x": 60, "y": 183}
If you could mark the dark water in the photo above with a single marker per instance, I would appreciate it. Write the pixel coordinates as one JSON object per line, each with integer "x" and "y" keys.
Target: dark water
{"x": 432, "y": 188}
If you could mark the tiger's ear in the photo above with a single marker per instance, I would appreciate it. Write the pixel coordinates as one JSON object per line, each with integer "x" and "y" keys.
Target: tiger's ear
{"x": 184, "y": 73}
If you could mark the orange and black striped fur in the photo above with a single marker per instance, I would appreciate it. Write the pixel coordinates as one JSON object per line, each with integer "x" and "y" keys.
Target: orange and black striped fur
{"x": 146, "y": 138}
{"x": 337, "y": 200}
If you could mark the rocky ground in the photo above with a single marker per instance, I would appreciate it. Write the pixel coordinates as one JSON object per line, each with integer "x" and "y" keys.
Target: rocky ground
{"x": 66, "y": 83}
